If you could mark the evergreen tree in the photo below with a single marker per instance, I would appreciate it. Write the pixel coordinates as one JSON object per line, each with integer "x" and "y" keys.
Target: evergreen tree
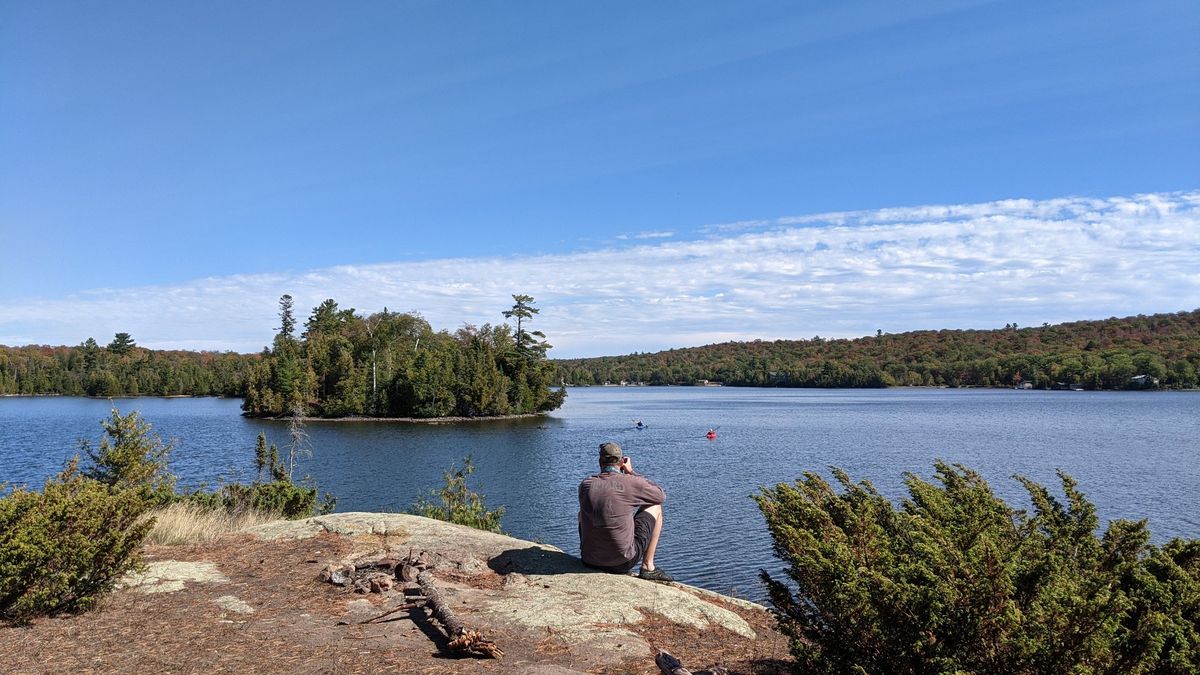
{"x": 529, "y": 344}
{"x": 327, "y": 318}
{"x": 956, "y": 580}
{"x": 122, "y": 344}
{"x": 261, "y": 455}
{"x": 279, "y": 472}
{"x": 457, "y": 503}
{"x": 91, "y": 354}
{"x": 131, "y": 456}
{"x": 287, "y": 319}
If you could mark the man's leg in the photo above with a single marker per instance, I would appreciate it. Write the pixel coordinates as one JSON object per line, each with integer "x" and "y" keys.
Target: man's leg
{"x": 652, "y": 545}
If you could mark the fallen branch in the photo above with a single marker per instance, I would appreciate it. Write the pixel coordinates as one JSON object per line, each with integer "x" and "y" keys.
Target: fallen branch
{"x": 407, "y": 605}
{"x": 462, "y": 640}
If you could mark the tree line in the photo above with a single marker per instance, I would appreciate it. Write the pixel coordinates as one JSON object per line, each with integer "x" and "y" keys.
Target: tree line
{"x": 121, "y": 368}
{"x": 391, "y": 364}
{"x": 1105, "y": 354}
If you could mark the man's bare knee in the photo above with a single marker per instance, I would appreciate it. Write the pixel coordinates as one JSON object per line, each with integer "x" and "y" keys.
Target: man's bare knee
{"x": 654, "y": 510}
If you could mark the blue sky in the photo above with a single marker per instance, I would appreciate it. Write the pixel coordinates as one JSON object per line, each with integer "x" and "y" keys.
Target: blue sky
{"x": 648, "y": 171}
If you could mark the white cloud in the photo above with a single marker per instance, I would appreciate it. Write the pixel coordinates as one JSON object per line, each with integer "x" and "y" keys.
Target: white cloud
{"x": 833, "y": 274}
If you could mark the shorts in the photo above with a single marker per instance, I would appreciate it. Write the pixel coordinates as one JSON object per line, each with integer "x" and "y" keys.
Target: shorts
{"x": 643, "y": 527}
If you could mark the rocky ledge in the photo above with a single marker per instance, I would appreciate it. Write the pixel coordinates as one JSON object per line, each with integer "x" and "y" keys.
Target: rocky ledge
{"x": 262, "y": 601}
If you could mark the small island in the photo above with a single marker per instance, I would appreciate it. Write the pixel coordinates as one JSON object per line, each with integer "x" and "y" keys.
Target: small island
{"x": 394, "y": 366}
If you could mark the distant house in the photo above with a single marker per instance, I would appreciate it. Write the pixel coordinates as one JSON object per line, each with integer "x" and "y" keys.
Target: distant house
{"x": 1023, "y": 385}
{"x": 1143, "y": 382}
{"x": 707, "y": 383}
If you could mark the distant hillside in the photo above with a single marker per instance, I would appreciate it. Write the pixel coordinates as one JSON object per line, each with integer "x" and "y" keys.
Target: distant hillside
{"x": 122, "y": 369}
{"x": 1106, "y": 354}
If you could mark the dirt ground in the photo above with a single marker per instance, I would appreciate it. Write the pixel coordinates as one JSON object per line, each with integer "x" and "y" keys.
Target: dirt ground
{"x": 292, "y": 622}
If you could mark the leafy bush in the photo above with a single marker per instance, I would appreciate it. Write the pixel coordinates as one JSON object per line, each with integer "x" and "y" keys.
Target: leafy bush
{"x": 63, "y": 548}
{"x": 956, "y": 580}
{"x": 457, "y": 503}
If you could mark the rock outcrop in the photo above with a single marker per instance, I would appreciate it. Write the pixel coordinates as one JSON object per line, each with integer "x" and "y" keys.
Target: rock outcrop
{"x": 261, "y": 590}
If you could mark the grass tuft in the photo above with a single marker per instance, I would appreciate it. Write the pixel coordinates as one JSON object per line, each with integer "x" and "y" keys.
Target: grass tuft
{"x": 184, "y": 523}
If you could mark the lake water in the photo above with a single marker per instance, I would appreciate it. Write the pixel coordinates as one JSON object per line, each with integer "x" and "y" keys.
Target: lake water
{"x": 1135, "y": 454}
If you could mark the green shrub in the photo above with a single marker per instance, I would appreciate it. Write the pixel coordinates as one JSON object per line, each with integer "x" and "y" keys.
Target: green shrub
{"x": 457, "y": 503}
{"x": 956, "y": 580}
{"x": 131, "y": 456}
{"x": 280, "y": 497}
{"x": 63, "y": 548}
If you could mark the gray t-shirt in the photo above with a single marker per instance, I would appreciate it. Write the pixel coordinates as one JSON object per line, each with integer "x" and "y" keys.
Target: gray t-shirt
{"x": 607, "y": 503}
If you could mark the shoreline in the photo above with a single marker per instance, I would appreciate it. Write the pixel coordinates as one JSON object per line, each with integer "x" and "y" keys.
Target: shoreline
{"x": 121, "y": 396}
{"x": 1157, "y": 389}
{"x": 404, "y": 420}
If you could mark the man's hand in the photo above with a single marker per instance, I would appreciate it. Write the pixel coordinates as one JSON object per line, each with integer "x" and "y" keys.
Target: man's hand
{"x": 627, "y": 465}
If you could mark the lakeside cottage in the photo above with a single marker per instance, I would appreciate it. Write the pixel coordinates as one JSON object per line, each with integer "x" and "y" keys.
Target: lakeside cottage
{"x": 1143, "y": 382}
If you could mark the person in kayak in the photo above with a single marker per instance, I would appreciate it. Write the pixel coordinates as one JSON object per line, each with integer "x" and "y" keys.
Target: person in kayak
{"x": 620, "y": 517}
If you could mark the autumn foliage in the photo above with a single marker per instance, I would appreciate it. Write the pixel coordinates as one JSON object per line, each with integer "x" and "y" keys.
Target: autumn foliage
{"x": 1104, "y": 354}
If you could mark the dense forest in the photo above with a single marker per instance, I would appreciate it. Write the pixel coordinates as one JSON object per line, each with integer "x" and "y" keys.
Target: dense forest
{"x": 122, "y": 369}
{"x": 1107, "y": 354}
{"x": 395, "y": 365}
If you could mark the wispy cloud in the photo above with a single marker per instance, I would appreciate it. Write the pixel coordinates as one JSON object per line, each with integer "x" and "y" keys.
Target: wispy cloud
{"x": 657, "y": 234}
{"x": 833, "y": 274}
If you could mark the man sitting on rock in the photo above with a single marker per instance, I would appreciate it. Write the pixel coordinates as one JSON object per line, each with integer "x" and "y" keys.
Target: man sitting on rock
{"x": 620, "y": 517}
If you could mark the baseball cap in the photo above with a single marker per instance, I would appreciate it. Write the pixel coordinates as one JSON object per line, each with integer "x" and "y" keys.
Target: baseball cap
{"x": 610, "y": 453}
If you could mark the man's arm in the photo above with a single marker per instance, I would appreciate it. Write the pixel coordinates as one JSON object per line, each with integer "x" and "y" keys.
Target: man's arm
{"x": 647, "y": 492}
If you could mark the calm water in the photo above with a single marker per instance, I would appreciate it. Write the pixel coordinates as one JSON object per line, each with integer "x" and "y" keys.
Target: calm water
{"x": 1134, "y": 454}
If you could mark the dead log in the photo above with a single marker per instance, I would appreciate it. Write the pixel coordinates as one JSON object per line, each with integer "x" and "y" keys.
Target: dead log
{"x": 670, "y": 665}
{"x": 462, "y": 640}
